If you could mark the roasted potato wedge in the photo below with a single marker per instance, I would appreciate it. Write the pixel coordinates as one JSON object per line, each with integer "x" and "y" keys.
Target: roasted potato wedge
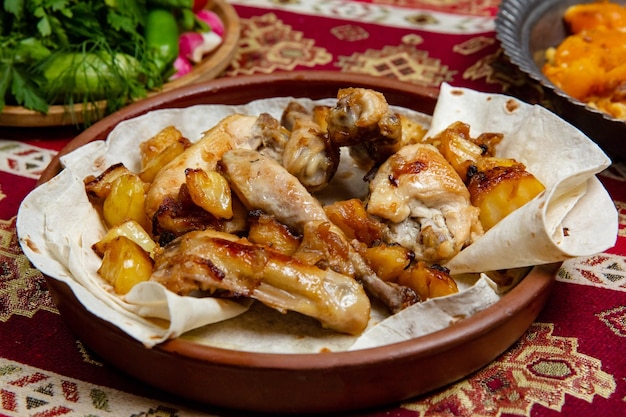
{"x": 211, "y": 191}
{"x": 350, "y": 216}
{"x": 125, "y": 201}
{"x": 153, "y": 147}
{"x": 500, "y": 187}
{"x": 412, "y": 131}
{"x": 388, "y": 261}
{"x": 265, "y": 230}
{"x": 125, "y": 264}
{"x": 98, "y": 188}
{"x": 428, "y": 281}
{"x": 458, "y": 149}
{"x": 130, "y": 230}
{"x": 155, "y": 164}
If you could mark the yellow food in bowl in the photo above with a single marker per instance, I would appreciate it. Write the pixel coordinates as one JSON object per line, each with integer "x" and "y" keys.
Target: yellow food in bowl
{"x": 590, "y": 64}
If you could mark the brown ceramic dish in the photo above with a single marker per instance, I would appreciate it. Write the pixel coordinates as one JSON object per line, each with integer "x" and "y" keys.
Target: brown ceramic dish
{"x": 526, "y": 28}
{"x": 302, "y": 383}
{"x": 210, "y": 67}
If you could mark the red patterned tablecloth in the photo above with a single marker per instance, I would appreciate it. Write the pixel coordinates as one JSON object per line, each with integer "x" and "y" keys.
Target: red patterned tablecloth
{"x": 571, "y": 361}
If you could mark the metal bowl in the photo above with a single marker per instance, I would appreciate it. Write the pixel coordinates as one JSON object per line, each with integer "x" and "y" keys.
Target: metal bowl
{"x": 525, "y": 29}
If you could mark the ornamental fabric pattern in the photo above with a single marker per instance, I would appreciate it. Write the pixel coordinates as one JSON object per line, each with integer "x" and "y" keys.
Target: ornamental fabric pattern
{"x": 569, "y": 362}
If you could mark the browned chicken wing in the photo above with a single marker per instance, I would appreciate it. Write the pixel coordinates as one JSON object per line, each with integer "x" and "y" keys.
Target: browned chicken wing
{"x": 309, "y": 154}
{"x": 225, "y": 265}
{"x": 363, "y": 120}
{"x": 424, "y": 202}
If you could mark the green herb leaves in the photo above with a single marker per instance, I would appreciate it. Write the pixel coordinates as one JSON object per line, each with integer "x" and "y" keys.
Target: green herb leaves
{"x": 71, "y": 51}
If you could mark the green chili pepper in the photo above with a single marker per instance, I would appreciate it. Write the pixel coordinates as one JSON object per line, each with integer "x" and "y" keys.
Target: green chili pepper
{"x": 162, "y": 39}
{"x": 94, "y": 75}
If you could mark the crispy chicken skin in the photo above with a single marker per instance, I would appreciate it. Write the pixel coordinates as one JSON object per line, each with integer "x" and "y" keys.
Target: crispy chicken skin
{"x": 424, "y": 202}
{"x": 261, "y": 183}
{"x": 226, "y": 265}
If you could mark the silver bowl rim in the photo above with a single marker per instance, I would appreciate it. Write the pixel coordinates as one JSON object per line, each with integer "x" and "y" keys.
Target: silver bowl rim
{"x": 513, "y": 22}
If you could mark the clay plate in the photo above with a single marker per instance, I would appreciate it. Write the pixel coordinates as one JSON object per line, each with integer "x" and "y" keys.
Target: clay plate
{"x": 302, "y": 383}
{"x": 526, "y": 28}
{"x": 210, "y": 67}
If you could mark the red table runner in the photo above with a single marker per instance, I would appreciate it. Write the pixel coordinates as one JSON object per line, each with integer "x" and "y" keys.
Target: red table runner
{"x": 570, "y": 362}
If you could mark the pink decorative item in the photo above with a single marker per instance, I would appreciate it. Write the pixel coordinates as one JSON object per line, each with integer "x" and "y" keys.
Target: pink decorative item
{"x": 211, "y": 19}
{"x": 182, "y": 66}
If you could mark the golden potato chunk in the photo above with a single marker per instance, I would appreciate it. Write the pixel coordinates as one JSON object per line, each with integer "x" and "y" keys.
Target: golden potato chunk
{"x": 125, "y": 264}
{"x": 388, "y": 261}
{"x": 352, "y": 218}
{"x": 500, "y": 187}
{"x": 130, "y": 230}
{"x": 458, "y": 149}
{"x": 265, "y": 230}
{"x": 125, "y": 202}
{"x": 211, "y": 191}
{"x": 412, "y": 130}
{"x": 153, "y": 147}
{"x": 98, "y": 188}
{"x": 428, "y": 281}
{"x": 154, "y": 165}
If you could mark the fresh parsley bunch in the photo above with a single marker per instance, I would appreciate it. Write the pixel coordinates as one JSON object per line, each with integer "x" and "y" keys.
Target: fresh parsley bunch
{"x": 70, "y": 51}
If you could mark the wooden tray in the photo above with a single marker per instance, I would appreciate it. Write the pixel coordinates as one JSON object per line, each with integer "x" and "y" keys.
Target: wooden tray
{"x": 212, "y": 66}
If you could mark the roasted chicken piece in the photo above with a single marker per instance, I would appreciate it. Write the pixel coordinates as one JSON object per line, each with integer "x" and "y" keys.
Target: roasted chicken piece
{"x": 309, "y": 154}
{"x": 226, "y": 265}
{"x": 270, "y": 137}
{"x": 424, "y": 202}
{"x": 391, "y": 261}
{"x": 261, "y": 183}
{"x": 363, "y": 120}
{"x": 164, "y": 204}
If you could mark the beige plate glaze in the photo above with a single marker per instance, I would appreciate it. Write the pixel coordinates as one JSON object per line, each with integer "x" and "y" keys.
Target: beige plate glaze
{"x": 302, "y": 383}
{"x": 212, "y": 66}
